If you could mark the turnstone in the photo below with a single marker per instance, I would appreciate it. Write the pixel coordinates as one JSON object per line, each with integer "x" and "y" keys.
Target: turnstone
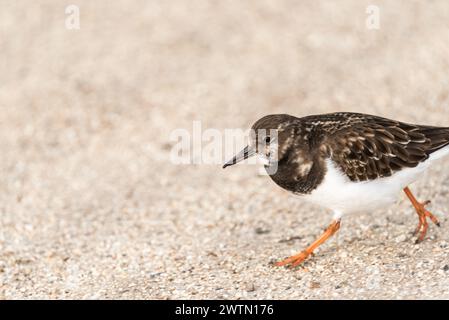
{"x": 346, "y": 162}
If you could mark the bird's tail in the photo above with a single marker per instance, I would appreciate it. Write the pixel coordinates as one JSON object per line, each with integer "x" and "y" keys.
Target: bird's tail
{"x": 439, "y": 138}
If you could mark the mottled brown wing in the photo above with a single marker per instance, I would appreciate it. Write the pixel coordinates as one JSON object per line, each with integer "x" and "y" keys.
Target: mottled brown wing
{"x": 381, "y": 147}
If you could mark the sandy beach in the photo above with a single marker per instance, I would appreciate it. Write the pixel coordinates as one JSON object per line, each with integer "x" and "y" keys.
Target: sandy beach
{"x": 91, "y": 207}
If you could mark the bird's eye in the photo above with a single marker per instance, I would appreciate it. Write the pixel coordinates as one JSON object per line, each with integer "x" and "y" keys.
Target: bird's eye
{"x": 267, "y": 140}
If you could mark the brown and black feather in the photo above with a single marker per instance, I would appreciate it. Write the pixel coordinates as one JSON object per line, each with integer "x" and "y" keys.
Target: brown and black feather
{"x": 367, "y": 147}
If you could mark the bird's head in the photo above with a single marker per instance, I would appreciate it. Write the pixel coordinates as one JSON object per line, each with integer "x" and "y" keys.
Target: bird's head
{"x": 270, "y": 139}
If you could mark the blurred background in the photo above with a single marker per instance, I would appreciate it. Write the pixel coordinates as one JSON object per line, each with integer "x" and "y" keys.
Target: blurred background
{"x": 90, "y": 205}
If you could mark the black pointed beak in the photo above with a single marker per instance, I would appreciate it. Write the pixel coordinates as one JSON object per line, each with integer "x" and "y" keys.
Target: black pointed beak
{"x": 242, "y": 155}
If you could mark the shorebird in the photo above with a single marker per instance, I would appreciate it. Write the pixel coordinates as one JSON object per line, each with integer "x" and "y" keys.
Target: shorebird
{"x": 346, "y": 162}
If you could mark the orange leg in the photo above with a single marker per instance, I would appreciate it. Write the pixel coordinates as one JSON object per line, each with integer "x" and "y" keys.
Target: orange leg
{"x": 297, "y": 259}
{"x": 423, "y": 214}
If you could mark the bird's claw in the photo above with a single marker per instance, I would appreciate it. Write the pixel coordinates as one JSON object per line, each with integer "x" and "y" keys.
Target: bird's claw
{"x": 423, "y": 214}
{"x": 295, "y": 260}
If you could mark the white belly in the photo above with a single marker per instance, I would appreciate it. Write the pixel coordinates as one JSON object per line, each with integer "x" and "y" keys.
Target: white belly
{"x": 341, "y": 195}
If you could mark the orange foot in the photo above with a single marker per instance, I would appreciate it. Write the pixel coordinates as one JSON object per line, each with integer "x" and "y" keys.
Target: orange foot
{"x": 299, "y": 258}
{"x": 423, "y": 214}
{"x": 295, "y": 260}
